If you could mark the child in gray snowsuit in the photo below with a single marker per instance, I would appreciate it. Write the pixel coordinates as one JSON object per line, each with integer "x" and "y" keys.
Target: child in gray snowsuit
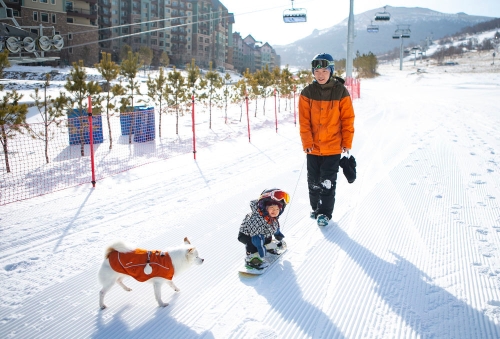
{"x": 259, "y": 226}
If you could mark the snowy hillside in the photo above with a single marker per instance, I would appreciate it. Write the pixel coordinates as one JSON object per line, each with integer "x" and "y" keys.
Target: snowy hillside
{"x": 413, "y": 252}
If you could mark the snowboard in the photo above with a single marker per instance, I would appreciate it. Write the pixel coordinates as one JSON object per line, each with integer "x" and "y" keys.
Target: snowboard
{"x": 270, "y": 258}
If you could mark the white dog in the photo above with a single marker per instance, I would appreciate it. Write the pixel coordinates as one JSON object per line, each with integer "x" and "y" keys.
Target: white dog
{"x": 157, "y": 267}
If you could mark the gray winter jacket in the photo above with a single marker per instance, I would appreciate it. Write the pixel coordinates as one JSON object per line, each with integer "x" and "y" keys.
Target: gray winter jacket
{"x": 255, "y": 224}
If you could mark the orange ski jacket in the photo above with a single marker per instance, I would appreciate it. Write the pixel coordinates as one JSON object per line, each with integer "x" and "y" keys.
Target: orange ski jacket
{"x": 326, "y": 117}
{"x": 133, "y": 264}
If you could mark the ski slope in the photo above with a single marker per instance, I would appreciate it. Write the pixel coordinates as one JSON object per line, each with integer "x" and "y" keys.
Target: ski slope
{"x": 413, "y": 250}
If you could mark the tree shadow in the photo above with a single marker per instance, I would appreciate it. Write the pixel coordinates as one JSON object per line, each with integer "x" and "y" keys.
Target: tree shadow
{"x": 285, "y": 295}
{"x": 431, "y": 311}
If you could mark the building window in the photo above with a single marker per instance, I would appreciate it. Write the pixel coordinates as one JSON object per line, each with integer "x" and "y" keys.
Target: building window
{"x": 34, "y": 30}
{"x": 69, "y": 20}
{"x": 44, "y": 1}
{"x": 35, "y": 16}
{"x": 15, "y": 13}
{"x": 44, "y": 17}
{"x": 52, "y": 2}
{"x": 53, "y": 18}
{"x": 70, "y": 36}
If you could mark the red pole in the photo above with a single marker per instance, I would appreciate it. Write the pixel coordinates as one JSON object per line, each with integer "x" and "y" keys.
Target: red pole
{"x": 91, "y": 132}
{"x": 294, "y": 113}
{"x": 248, "y": 118}
{"x": 194, "y": 132}
{"x": 275, "y": 112}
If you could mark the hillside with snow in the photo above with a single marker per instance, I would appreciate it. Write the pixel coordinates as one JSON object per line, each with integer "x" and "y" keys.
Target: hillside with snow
{"x": 413, "y": 250}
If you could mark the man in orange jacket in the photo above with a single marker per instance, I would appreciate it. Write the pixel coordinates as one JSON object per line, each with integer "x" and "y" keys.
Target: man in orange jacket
{"x": 326, "y": 119}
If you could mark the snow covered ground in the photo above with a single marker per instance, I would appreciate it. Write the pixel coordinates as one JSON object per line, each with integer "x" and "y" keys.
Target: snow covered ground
{"x": 413, "y": 252}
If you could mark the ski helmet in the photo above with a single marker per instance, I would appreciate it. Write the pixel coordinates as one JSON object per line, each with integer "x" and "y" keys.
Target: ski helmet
{"x": 323, "y": 60}
{"x": 273, "y": 196}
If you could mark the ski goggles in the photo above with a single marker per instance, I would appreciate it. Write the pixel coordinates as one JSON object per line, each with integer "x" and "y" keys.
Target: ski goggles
{"x": 321, "y": 63}
{"x": 277, "y": 195}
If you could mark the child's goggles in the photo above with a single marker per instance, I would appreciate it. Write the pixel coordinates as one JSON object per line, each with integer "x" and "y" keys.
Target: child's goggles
{"x": 321, "y": 63}
{"x": 277, "y": 195}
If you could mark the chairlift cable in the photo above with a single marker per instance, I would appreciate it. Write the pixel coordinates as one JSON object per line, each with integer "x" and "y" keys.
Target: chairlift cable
{"x": 160, "y": 29}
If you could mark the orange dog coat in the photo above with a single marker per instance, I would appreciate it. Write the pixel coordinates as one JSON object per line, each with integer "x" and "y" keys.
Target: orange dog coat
{"x": 134, "y": 264}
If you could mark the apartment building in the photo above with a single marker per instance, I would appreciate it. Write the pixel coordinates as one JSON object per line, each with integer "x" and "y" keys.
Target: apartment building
{"x": 251, "y": 54}
{"x": 76, "y": 21}
{"x": 184, "y": 29}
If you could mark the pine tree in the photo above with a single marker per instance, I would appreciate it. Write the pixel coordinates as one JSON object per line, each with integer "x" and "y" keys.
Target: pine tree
{"x": 214, "y": 82}
{"x": 50, "y": 110}
{"x": 109, "y": 71}
{"x": 129, "y": 69}
{"x": 157, "y": 94}
{"x": 12, "y": 113}
{"x": 177, "y": 93}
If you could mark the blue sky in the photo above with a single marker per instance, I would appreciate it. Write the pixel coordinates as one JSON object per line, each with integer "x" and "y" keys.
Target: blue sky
{"x": 263, "y": 18}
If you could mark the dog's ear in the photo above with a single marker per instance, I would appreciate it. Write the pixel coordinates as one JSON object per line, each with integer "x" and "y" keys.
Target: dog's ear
{"x": 191, "y": 250}
{"x": 186, "y": 241}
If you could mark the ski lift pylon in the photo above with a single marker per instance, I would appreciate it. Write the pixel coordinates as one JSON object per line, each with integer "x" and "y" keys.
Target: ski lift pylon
{"x": 293, "y": 15}
{"x": 382, "y": 16}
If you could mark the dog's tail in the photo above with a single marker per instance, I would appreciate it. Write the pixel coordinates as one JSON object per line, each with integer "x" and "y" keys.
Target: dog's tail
{"x": 118, "y": 246}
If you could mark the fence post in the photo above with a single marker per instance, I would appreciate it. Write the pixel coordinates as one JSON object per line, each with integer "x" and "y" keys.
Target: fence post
{"x": 275, "y": 112}
{"x": 248, "y": 118}
{"x": 91, "y": 137}
{"x": 294, "y": 112}
{"x": 194, "y": 132}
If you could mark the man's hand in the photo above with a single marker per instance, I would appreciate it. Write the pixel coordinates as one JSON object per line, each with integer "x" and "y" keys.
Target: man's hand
{"x": 345, "y": 150}
{"x": 308, "y": 150}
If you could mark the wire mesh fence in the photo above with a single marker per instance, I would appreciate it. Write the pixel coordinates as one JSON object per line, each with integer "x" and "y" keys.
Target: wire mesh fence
{"x": 47, "y": 158}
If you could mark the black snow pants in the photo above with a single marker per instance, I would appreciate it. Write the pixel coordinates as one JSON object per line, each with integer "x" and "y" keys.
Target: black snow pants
{"x": 322, "y": 181}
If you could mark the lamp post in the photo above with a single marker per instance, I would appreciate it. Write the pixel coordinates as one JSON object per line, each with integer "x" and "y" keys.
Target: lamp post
{"x": 350, "y": 41}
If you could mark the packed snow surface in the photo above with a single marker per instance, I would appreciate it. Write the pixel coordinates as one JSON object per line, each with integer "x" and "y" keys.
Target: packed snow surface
{"x": 412, "y": 251}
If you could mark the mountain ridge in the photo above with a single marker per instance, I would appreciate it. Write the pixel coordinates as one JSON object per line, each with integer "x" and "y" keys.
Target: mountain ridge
{"x": 423, "y": 23}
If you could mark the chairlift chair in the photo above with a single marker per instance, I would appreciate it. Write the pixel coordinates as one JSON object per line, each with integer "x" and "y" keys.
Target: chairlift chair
{"x": 382, "y": 16}
{"x": 405, "y": 35}
{"x": 397, "y": 34}
{"x": 372, "y": 28}
{"x": 293, "y": 15}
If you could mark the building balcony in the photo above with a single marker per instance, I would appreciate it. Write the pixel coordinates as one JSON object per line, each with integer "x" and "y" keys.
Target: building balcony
{"x": 82, "y": 12}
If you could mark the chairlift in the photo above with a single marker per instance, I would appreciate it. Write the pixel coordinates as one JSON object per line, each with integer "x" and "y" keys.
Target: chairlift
{"x": 382, "y": 16}
{"x": 372, "y": 28}
{"x": 406, "y": 34}
{"x": 293, "y": 15}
